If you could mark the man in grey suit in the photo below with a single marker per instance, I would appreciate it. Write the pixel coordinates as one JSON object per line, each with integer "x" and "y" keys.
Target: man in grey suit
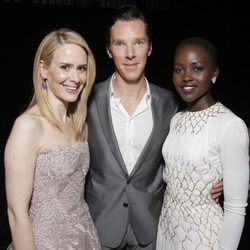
{"x": 128, "y": 120}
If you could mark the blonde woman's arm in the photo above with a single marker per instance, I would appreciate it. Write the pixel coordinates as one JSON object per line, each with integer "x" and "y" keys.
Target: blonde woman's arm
{"x": 20, "y": 157}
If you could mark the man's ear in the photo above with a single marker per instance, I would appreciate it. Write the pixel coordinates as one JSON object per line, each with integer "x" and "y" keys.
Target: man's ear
{"x": 109, "y": 52}
{"x": 150, "y": 49}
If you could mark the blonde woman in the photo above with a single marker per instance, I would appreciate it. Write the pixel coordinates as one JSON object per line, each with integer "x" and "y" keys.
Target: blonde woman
{"x": 47, "y": 154}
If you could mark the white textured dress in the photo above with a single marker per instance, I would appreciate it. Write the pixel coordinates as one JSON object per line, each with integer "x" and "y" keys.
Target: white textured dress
{"x": 202, "y": 148}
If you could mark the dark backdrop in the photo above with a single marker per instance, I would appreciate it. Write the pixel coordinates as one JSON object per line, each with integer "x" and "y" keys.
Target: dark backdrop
{"x": 23, "y": 25}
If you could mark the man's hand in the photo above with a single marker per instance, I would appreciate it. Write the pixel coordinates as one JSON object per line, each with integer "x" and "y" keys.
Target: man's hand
{"x": 216, "y": 191}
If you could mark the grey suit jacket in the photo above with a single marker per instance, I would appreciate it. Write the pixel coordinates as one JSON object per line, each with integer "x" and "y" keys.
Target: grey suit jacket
{"x": 114, "y": 197}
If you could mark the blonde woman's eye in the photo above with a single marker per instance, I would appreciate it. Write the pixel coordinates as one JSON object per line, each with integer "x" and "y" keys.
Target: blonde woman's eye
{"x": 82, "y": 68}
{"x": 65, "y": 67}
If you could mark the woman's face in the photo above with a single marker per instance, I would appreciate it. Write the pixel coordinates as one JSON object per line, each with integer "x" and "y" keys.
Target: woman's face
{"x": 193, "y": 72}
{"x": 67, "y": 73}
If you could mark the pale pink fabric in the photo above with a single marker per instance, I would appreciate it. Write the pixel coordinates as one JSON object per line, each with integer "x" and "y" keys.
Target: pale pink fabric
{"x": 58, "y": 211}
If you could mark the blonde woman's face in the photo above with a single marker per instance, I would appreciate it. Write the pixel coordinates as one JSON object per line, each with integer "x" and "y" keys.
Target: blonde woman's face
{"x": 67, "y": 73}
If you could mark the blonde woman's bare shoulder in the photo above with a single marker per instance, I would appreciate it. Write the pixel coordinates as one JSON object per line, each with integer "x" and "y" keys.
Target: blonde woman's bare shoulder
{"x": 30, "y": 120}
{"x": 27, "y": 126}
{"x": 24, "y": 141}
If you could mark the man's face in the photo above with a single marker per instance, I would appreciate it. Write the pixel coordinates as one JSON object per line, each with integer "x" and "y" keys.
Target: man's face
{"x": 130, "y": 48}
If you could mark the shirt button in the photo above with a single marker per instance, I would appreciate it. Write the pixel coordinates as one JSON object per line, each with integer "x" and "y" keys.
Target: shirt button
{"x": 125, "y": 204}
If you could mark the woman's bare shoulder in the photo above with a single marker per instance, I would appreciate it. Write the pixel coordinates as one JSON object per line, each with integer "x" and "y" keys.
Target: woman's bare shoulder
{"x": 29, "y": 122}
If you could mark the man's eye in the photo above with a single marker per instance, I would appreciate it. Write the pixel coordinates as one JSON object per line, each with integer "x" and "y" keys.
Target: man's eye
{"x": 140, "y": 42}
{"x": 118, "y": 43}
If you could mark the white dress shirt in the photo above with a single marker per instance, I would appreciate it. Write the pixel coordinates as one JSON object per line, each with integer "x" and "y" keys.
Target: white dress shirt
{"x": 132, "y": 132}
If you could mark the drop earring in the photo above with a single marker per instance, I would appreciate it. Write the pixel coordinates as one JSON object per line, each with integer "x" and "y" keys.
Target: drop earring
{"x": 214, "y": 79}
{"x": 44, "y": 83}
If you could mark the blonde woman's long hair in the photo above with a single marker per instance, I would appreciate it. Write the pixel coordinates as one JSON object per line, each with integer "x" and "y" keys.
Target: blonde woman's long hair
{"x": 77, "y": 110}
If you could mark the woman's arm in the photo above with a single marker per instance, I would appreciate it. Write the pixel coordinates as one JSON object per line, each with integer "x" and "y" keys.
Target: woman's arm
{"x": 20, "y": 157}
{"x": 234, "y": 159}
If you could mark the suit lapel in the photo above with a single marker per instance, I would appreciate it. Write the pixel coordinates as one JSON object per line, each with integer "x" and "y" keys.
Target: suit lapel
{"x": 103, "y": 107}
{"x": 156, "y": 130}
